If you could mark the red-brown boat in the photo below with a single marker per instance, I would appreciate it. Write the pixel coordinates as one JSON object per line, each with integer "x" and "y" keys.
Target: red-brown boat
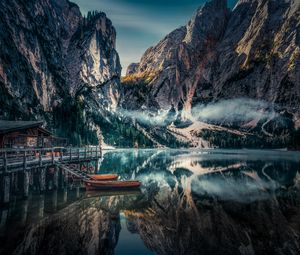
{"x": 103, "y": 177}
{"x": 106, "y": 185}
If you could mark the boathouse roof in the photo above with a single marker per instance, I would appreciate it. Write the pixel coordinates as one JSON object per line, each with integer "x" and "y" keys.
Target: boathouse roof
{"x": 7, "y": 126}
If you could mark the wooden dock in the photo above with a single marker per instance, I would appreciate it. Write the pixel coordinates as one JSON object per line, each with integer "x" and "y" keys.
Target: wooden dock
{"x": 42, "y": 169}
{"x": 12, "y": 160}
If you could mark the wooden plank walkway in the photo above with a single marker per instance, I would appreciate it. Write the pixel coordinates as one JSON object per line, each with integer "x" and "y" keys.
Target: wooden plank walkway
{"x": 12, "y": 160}
{"x": 75, "y": 172}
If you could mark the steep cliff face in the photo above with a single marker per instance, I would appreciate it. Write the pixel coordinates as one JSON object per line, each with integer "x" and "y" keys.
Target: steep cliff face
{"x": 92, "y": 58}
{"x": 258, "y": 56}
{"x": 169, "y": 65}
{"x": 32, "y": 52}
{"x": 51, "y": 57}
{"x": 251, "y": 51}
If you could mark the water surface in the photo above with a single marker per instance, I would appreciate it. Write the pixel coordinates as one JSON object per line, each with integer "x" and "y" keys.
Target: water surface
{"x": 191, "y": 202}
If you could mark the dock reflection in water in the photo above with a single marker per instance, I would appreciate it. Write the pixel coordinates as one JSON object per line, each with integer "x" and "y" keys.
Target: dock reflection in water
{"x": 191, "y": 202}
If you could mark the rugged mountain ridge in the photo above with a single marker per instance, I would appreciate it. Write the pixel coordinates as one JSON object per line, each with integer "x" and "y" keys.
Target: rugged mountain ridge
{"x": 55, "y": 63}
{"x": 221, "y": 53}
{"x": 62, "y": 67}
{"x": 250, "y": 52}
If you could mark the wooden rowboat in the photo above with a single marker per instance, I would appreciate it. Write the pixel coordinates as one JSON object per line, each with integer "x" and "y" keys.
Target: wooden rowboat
{"x": 103, "y": 177}
{"x": 106, "y": 185}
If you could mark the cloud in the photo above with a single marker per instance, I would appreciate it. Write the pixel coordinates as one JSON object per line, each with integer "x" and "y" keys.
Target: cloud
{"x": 147, "y": 117}
{"x": 234, "y": 110}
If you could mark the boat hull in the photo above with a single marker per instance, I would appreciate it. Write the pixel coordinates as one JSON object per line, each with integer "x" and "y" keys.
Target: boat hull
{"x": 103, "y": 177}
{"x": 109, "y": 185}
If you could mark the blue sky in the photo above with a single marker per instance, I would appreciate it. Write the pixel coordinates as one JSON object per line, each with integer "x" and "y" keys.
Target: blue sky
{"x": 142, "y": 23}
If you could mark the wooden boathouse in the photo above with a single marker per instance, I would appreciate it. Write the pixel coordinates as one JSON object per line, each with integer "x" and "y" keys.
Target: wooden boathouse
{"x": 31, "y": 157}
{"x": 22, "y": 134}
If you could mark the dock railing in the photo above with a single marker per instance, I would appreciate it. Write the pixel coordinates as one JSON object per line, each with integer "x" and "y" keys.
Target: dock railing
{"x": 18, "y": 159}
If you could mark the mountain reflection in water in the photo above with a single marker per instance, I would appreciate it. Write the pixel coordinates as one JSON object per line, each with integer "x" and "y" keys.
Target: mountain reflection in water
{"x": 191, "y": 202}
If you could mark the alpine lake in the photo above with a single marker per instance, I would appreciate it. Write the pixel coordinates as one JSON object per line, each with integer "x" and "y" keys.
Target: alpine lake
{"x": 190, "y": 202}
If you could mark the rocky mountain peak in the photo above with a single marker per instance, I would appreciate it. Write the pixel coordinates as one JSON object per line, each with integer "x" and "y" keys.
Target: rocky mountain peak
{"x": 167, "y": 65}
{"x": 208, "y": 23}
{"x": 93, "y": 49}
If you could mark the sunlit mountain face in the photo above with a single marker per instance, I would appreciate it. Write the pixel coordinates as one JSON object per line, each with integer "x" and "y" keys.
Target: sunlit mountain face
{"x": 219, "y": 202}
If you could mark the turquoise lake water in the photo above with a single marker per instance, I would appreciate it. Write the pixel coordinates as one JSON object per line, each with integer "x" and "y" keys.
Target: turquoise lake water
{"x": 190, "y": 202}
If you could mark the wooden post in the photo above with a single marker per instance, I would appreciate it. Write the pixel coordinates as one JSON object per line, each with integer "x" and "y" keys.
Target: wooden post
{"x": 52, "y": 156}
{"x": 96, "y": 165}
{"x": 78, "y": 151}
{"x": 24, "y": 160}
{"x": 85, "y": 155}
{"x": 14, "y": 183}
{"x": 4, "y": 216}
{"x": 25, "y": 184}
{"x": 47, "y": 180}
{"x": 61, "y": 155}
{"x": 60, "y": 178}
{"x": 55, "y": 178}
{"x": 87, "y": 167}
{"x": 35, "y": 179}
{"x": 42, "y": 179}
{"x": 70, "y": 154}
{"x": 41, "y": 206}
{"x": 6, "y": 189}
{"x": 5, "y": 161}
{"x": 66, "y": 178}
{"x": 65, "y": 195}
{"x": 42, "y": 141}
{"x": 31, "y": 177}
{"x": 24, "y": 212}
{"x": 77, "y": 192}
{"x": 40, "y": 158}
{"x": 97, "y": 152}
{"x": 54, "y": 200}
